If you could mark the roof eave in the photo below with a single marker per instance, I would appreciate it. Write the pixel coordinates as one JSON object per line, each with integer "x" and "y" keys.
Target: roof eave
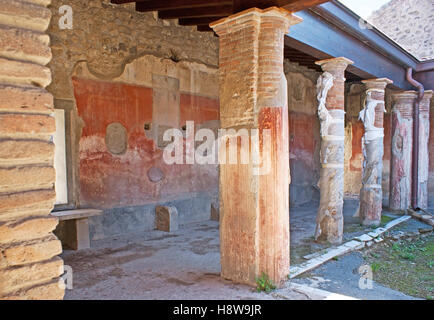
{"x": 332, "y": 30}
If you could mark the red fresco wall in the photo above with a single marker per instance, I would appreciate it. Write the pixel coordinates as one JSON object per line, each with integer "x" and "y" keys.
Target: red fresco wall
{"x": 387, "y": 153}
{"x": 387, "y": 137}
{"x": 304, "y": 157}
{"x": 302, "y": 142}
{"x": 198, "y": 109}
{"x": 108, "y": 180}
{"x": 358, "y": 131}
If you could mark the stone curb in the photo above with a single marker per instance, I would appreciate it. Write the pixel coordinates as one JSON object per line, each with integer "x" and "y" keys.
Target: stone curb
{"x": 318, "y": 294}
{"x": 424, "y": 217}
{"x": 357, "y": 243}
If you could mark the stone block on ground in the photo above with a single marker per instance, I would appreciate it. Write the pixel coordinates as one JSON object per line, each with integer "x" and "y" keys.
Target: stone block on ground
{"x": 416, "y": 214}
{"x": 74, "y": 234}
{"x": 354, "y": 245}
{"x": 378, "y": 240}
{"x": 425, "y": 230}
{"x": 215, "y": 214}
{"x": 166, "y": 218}
{"x": 363, "y": 238}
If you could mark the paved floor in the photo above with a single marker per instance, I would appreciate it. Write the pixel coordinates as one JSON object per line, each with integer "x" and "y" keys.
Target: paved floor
{"x": 186, "y": 265}
{"x": 157, "y": 265}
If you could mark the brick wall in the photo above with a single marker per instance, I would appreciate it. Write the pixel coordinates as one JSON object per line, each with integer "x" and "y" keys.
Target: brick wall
{"x": 29, "y": 266}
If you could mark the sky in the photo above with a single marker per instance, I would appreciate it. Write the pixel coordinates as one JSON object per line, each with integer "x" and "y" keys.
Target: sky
{"x": 364, "y": 7}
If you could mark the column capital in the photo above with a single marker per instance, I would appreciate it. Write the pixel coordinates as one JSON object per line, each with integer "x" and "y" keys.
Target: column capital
{"x": 221, "y": 26}
{"x": 425, "y": 103}
{"x": 403, "y": 102}
{"x": 332, "y": 64}
{"x": 400, "y": 95}
{"x": 379, "y": 83}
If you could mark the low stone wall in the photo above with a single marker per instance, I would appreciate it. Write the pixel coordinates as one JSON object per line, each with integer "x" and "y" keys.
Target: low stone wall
{"x": 29, "y": 266}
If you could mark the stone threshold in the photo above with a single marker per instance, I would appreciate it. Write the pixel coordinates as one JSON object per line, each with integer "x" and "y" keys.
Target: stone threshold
{"x": 357, "y": 243}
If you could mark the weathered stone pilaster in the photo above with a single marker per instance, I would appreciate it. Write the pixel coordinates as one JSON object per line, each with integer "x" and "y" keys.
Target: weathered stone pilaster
{"x": 372, "y": 116}
{"x": 29, "y": 266}
{"x": 402, "y": 146}
{"x": 424, "y": 128}
{"x": 331, "y": 112}
{"x": 254, "y": 199}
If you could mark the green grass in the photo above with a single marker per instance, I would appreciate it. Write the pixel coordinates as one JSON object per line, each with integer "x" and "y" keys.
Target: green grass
{"x": 385, "y": 220}
{"x": 376, "y": 266}
{"x": 263, "y": 283}
{"x": 406, "y": 266}
{"x": 375, "y": 255}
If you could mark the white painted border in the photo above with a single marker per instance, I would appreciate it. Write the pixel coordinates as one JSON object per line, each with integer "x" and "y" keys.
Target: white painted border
{"x": 61, "y": 186}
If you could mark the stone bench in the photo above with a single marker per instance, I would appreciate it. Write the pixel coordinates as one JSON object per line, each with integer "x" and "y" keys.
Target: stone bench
{"x": 73, "y": 228}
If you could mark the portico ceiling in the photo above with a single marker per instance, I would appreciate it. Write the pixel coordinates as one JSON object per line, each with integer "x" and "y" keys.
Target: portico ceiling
{"x": 201, "y": 13}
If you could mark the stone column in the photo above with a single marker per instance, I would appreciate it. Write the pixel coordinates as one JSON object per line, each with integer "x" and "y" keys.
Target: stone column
{"x": 424, "y": 126}
{"x": 371, "y": 195}
{"x": 29, "y": 266}
{"x": 254, "y": 199}
{"x": 331, "y": 90}
{"x": 401, "y": 155}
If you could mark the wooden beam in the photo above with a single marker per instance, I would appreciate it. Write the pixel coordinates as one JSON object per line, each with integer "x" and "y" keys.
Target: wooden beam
{"x": 291, "y": 5}
{"x": 204, "y": 28}
{"x": 213, "y": 11}
{"x": 144, "y": 6}
{"x": 122, "y": 1}
{"x": 299, "y": 5}
{"x": 198, "y": 21}
{"x": 209, "y": 5}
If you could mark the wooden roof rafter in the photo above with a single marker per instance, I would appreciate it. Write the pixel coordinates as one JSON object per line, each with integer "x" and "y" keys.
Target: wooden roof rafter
{"x": 201, "y": 12}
